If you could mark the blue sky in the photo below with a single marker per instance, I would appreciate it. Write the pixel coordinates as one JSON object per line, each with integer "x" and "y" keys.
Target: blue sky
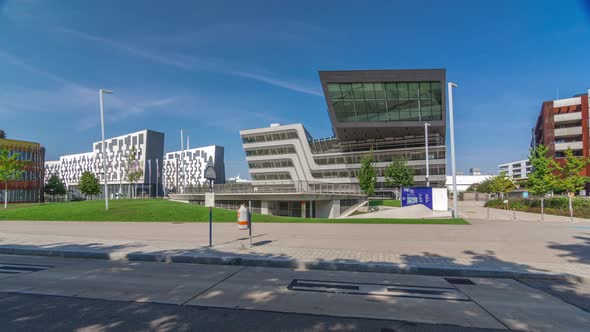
{"x": 215, "y": 67}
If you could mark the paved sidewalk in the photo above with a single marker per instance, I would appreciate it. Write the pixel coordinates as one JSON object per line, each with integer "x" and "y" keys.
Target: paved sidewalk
{"x": 485, "y": 248}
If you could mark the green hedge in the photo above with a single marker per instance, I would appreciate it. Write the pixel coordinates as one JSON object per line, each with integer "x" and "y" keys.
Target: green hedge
{"x": 554, "y": 205}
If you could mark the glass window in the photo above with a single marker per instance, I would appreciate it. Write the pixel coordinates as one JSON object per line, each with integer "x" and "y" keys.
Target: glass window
{"x": 372, "y": 111}
{"x": 381, "y": 111}
{"x": 425, "y": 90}
{"x": 361, "y": 110}
{"x": 414, "y": 111}
{"x": 379, "y": 90}
{"x": 436, "y": 91}
{"x": 369, "y": 90}
{"x": 402, "y": 90}
{"x": 426, "y": 109}
{"x": 334, "y": 91}
{"x": 346, "y": 90}
{"x": 391, "y": 90}
{"x": 345, "y": 111}
{"x": 413, "y": 89}
{"x": 357, "y": 90}
{"x": 436, "y": 111}
{"x": 393, "y": 110}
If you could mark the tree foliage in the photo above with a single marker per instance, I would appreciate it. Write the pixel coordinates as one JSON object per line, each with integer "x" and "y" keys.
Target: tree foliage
{"x": 570, "y": 179}
{"x": 11, "y": 168}
{"x": 89, "y": 184}
{"x": 2, "y": 134}
{"x": 482, "y": 187}
{"x": 55, "y": 186}
{"x": 502, "y": 184}
{"x": 543, "y": 178}
{"x": 399, "y": 174}
{"x": 367, "y": 176}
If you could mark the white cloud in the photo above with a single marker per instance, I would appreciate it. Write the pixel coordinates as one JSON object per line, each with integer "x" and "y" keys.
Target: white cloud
{"x": 191, "y": 62}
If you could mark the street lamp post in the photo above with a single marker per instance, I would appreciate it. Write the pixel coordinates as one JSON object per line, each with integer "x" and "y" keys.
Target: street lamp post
{"x": 210, "y": 175}
{"x": 104, "y": 157}
{"x": 426, "y": 124}
{"x": 452, "y": 85}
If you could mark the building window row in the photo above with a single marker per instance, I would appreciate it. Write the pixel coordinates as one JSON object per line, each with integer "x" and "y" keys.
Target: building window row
{"x": 24, "y": 155}
{"x": 353, "y": 173}
{"x": 271, "y": 151}
{"x": 568, "y": 139}
{"x": 561, "y": 154}
{"x": 270, "y": 164}
{"x": 380, "y": 157}
{"x": 569, "y": 125}
{"x": 280, "y": 136}
{"x": 399, "y": 101}
{"x": 271, "y": 176}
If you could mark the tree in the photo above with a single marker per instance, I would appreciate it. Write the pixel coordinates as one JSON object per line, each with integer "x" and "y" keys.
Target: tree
{"x": 11, "y": 168}
{"x": 55, "y": 186}
{"x": 398, "y": 174}
{"x": 2, "y": 134}
{"x": 367, "y": 176}
{"x": 134, "y": 172}
{"x": 542, "y": 179}
{"x": 502, "y": 184}
{"x": 89, "y": 184}
{"x": 570, "y": 178}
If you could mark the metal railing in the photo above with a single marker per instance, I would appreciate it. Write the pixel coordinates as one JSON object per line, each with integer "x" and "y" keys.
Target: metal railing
{"x": 280, "y": 187}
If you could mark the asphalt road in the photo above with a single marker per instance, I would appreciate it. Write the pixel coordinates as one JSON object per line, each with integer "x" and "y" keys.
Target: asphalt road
{"x": 65, "y": 294}
{"x": 25, "y": 312}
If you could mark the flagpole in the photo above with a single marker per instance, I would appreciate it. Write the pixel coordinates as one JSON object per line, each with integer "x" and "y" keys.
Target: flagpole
{"x": 150, "y": 180}
{"x": 157, "y": 177}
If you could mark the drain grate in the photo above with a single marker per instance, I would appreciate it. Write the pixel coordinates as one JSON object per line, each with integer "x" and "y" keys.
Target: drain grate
{"x": 10, "y": 268}
{"x": 413, "y": 291}
{"x": 460, "y": 281}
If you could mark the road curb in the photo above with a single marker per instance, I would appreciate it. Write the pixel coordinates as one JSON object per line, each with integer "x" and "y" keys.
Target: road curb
{"x": 292, "y": 263}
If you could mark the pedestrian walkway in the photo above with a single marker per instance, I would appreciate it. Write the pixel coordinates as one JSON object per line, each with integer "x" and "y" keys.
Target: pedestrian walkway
{"x": 485, "y": 248}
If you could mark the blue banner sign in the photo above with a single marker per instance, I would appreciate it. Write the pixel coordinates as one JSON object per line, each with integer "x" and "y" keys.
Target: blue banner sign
{"x": 417, "y": 195}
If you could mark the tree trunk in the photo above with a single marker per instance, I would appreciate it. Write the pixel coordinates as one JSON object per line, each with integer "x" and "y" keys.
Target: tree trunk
{"x": 542, "y": 208}
{"x": 6, "y": 195}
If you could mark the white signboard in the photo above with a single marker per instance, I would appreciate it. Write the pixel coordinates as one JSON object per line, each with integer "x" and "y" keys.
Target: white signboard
{"x": 210, "y": 199}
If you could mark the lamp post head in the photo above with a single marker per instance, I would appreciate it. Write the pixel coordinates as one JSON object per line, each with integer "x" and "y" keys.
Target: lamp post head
{"x": 105, "y": 91}
{"x": 451, "y": 84}
{"x": 210, "y": 170}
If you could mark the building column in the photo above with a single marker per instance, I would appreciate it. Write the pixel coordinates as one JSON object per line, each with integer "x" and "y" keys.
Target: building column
{"x": 264, "y": 207}
{"x": 303, "y": 209}
{"x": 335, "y": 209}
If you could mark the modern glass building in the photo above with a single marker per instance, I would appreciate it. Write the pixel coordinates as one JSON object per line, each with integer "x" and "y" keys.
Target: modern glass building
{"x": 379, "y": 110}
{"x": 29, "y": 187}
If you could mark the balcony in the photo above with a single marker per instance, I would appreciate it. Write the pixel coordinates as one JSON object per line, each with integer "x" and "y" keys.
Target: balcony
{"x": 567, "y": 117}
{"x": 571, "y": 131}
{"x": 572, "y": 145}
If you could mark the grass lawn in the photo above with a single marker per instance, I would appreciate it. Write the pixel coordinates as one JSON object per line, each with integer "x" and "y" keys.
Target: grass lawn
{"x": 164, "y": 210}
{"x": 386, "y": 202}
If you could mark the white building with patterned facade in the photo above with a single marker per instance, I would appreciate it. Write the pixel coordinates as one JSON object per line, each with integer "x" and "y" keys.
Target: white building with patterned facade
{"x": 185, "y": 169}
{"x": 149, "y": 148}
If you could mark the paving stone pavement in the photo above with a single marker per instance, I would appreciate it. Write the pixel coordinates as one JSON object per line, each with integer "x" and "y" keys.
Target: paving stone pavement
{"x": 549, "y": 248}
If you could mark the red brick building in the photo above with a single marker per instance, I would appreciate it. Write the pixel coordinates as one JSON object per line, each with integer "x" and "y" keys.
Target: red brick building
{"x": 563, "y": 124}
{"x": 29, "y": 188}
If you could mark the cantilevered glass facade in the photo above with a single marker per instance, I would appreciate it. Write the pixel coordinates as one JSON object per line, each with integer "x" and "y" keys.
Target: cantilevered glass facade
{"x": 386, "y": 101}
